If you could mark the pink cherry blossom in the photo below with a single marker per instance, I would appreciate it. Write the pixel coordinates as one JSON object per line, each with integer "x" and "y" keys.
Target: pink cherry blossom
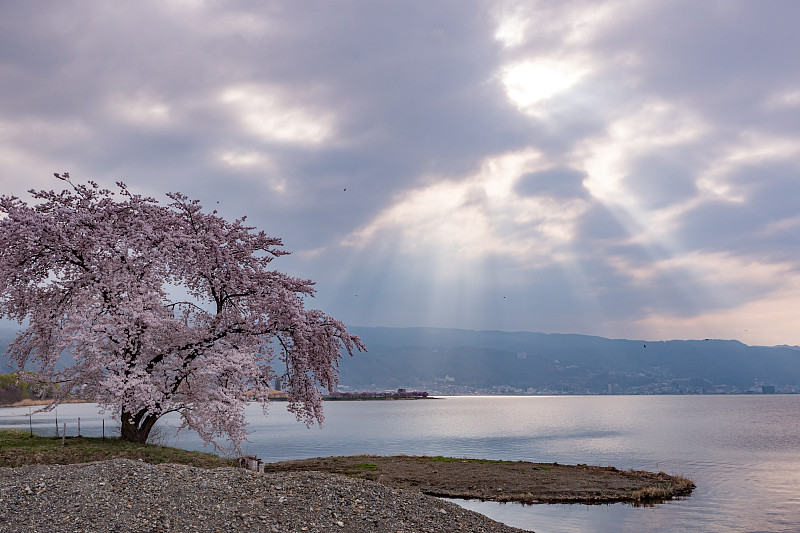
{"x": 163, "y": 308}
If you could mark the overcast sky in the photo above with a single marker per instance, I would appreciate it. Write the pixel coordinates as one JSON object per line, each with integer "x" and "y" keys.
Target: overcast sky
{"x": 625, "y": 169}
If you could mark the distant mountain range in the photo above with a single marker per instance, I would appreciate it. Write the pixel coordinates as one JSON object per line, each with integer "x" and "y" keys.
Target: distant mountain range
{"x": 464, "y": 361}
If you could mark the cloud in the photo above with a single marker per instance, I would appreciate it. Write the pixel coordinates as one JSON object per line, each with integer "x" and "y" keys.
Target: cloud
{"x": 557, "y": 182}
{"x": 481, "y": 214}
{"x": 758, "y": 320}
{"x": 530, "y": 84}
{"x": 273, "y": 117}
{"x": 609, "y": 167}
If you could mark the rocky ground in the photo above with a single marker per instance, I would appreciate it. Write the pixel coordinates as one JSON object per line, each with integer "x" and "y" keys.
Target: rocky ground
{"x": 124, "y": 495}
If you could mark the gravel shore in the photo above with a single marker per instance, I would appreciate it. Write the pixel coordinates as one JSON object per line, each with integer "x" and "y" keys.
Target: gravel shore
{"x": 132, "y": 496}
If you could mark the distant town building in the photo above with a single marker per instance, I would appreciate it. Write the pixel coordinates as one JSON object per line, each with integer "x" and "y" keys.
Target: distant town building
{"x": 767, "y": 389}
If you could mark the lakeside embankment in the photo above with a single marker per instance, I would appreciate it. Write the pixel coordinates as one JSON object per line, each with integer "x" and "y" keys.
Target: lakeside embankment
{"x": 503, "y": 481}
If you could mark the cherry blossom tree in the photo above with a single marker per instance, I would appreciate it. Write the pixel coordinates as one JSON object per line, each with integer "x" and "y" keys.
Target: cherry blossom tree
{"x": 162, "y": 308}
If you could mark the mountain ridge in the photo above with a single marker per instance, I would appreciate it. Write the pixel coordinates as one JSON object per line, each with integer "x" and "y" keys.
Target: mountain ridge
{"x": 462, "y": 360}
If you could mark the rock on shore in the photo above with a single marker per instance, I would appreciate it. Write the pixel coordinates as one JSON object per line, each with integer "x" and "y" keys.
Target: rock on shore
{"x": 132, "y": 496}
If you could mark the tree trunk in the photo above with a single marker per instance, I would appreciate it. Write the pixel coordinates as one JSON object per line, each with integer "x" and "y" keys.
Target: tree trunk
{"x": 137, "y": 427}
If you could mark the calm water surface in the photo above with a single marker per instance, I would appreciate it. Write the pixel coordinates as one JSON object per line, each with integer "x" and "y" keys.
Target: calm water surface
{"x": 742, "y": 451}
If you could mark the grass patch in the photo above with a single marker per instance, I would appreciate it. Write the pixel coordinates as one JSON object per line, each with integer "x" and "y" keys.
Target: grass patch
{"x": 18, "y": 448}
{"x": 441, "y": 459}
{"x": 365, "y": 467}
{"x": 677, "y": 487}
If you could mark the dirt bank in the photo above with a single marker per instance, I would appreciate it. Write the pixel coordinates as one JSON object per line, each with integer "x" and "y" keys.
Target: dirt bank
{"x": 502, "y": 481}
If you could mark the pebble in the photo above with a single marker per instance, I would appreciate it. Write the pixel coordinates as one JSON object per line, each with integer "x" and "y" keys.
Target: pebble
{"x": 133, "y": 496}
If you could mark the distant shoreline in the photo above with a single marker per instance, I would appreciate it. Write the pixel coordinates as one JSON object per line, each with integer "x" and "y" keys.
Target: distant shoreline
{"x": 372, "y": 399}
{"x": 36, "y": 403}
{"x": 401, "y": 394}
{"x": 283, "y": 398}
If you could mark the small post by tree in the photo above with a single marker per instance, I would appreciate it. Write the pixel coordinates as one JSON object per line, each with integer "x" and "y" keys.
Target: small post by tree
{"x": 95, "y": 274}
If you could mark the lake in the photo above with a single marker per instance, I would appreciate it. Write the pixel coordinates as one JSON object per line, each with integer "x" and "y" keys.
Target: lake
{"x": 743, "y": 452}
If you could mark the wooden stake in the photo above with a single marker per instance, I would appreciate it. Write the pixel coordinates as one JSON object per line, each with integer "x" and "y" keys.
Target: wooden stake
{"x": 64, "y": 435}
{"x": 79, "y": 426}
{"x": 104, "y": 429}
